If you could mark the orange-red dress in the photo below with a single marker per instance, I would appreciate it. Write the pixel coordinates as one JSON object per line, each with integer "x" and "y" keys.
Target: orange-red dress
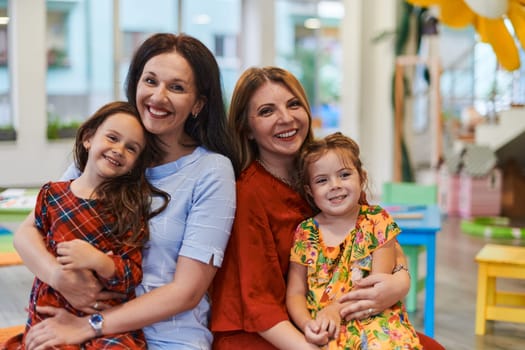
{"x": 248, "y": 293}
{"x": 61, "y": 216}
{"x": 331, "y": 272}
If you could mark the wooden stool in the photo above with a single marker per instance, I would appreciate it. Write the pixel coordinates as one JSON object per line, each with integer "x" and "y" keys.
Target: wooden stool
{"x": 505, "y": 262}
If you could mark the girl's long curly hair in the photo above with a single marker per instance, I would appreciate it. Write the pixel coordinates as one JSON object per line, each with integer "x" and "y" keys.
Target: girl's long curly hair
{"x": 126, "y": 199}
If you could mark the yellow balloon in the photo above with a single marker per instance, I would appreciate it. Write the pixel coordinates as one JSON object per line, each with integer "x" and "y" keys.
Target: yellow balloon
{"x": 424, "y": 3}
{"x": 502, "y": 43}
{"x": 516, "y": 16}
{"x": 456, "y": 14}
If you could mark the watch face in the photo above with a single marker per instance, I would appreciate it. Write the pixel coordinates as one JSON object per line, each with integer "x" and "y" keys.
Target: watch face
{"x": 96, "y": 319}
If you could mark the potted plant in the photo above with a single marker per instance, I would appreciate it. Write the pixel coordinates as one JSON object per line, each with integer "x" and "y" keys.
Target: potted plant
{"x": 7, "y": 133}
{"x": 57, "y": 129}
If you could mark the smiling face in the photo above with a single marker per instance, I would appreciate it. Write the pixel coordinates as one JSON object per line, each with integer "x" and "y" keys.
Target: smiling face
{"x": 115, "y": 146}
{"x": 334, "y": 185}
{"x": 167, "y": 95}
{"x": 278, "y": 122}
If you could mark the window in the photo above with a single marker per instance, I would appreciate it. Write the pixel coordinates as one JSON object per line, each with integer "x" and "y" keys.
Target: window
{"x": 7, "y": 131}
{"x": 217, "y": 24}
{"x": 225, "y": 46}
{"x": 80, "y": 69}
{"x": 84, "y": 72}
{"x": 57, "y": 55}
{"x": 4, "y": 20}
{"x": 307, "y": 37}
{"x": 472, "y": 77}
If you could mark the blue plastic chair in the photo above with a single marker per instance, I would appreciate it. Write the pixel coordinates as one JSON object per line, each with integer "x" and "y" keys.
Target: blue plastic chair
{"x": 408, "y": 193}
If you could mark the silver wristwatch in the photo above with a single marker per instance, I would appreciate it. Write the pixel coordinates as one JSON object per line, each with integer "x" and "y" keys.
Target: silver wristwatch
{"x": 96, "y": 321}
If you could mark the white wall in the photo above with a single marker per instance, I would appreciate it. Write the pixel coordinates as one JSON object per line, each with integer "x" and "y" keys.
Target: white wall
{"x": 31, "y": 159}
{"x": 367, "y": 111}
{"x": 257, "y": 33}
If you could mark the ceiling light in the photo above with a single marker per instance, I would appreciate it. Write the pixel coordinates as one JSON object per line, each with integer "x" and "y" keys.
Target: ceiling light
{"x": 201, "y": 19}
{"x": 312, "y": 23}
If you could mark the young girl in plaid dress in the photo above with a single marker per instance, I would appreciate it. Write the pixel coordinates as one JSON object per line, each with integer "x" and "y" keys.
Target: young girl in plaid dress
{"x": 99, "y": 221}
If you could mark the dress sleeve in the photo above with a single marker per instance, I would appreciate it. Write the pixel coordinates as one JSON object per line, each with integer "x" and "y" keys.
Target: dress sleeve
{"x": 41, "y": 220}
{"x": 128, "y": 270}
{"x": 298, "y": 251}
{"x": 212, "y": 211}
{"x": 262, "y": 281}
{"x": 386, "y": 229}
{"x": 376, "y": 227}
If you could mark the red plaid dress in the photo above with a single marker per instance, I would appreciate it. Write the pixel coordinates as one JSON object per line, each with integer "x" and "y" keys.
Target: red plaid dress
{"x": 61, "y": 216}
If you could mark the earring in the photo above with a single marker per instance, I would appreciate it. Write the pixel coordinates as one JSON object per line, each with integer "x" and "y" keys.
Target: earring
{"x": 194, "y": 116}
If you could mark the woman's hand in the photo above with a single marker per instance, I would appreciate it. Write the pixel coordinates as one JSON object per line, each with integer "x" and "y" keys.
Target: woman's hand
{"x": 79, "y": 287}
{"x": 82, "y": 290}
{"x": 374, "y": 294}
{"x": 61, "y": 328}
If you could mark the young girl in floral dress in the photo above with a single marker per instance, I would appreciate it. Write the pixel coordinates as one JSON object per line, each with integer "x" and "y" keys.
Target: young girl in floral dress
{"x": 346, "y": 241}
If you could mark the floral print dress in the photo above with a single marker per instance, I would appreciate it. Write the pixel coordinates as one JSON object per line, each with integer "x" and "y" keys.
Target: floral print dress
{"x": 333, "y": 270}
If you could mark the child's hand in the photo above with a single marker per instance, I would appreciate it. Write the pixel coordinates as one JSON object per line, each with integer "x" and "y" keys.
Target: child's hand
{"x": 329, "y": 320}
{"x": 78, "y": 254}
{"x": 315, "y": 335}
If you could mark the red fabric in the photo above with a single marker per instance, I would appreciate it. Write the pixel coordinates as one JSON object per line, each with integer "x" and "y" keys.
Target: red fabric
{"x": 130, "y": 341}
{"x": 240, "y": 340}
{"x": 429, "y": 343}
{"x": 249, "y": 289}
{"x": 60, "y": 216}
{"x": 252, "y": 341}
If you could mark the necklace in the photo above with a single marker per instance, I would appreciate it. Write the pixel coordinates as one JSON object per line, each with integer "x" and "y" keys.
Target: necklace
{"x": 280, "y": 178}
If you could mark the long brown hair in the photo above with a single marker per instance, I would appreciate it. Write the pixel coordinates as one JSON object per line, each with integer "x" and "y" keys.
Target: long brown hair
{"x": 128, "y": 197}
{"x": 347, "y": 150}
{"x": 209, "y": 128}
{"x": 249, "y": 82}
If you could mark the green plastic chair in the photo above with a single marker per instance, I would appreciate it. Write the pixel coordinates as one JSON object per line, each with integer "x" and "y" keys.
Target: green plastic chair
{"x": 408, "y": 193}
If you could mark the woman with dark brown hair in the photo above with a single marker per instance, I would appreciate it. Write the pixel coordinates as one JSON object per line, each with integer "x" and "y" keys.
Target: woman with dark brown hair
{"x": 174, "y": 82}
